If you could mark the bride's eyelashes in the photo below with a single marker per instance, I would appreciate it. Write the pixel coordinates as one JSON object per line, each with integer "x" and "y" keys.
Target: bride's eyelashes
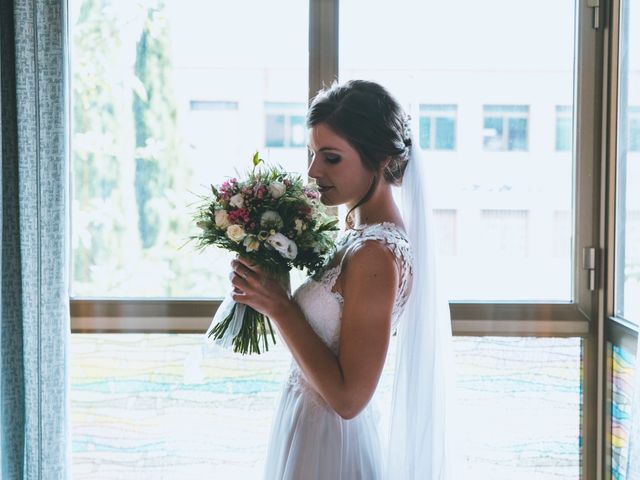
{"x": 330, "y": 158}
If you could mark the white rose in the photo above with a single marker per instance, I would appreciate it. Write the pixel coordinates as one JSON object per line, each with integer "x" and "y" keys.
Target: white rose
{"x": 300, "y": 226}
{"x": 277, "y": 189}
{"x": 222, "y": 218}
{"x": 252, "y": 243}
{"x": 271, "y": 218}
{"x": 236, "y": 233}
{"x": 237, "y": 200}
{"x": 292, "y": 251}
{"x": 287, "y": 248}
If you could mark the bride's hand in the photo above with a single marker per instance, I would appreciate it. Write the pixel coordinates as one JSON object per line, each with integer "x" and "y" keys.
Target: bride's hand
{"x": 255, "y": 288}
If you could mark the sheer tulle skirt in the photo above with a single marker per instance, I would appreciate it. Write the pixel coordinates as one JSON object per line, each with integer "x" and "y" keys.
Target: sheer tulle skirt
{"x": 310, "y": 441}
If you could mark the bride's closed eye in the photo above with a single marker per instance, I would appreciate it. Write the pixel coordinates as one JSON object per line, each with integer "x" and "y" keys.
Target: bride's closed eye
{"x": 333, "y": 159}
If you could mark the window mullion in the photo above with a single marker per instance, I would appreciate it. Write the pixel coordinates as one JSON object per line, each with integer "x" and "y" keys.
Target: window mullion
{"x": 323, "y": 43}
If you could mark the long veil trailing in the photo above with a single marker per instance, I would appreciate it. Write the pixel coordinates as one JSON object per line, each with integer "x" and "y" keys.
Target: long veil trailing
{"x": 423, "y": 400}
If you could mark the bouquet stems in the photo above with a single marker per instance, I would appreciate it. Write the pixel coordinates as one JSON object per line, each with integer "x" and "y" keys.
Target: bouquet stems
{"x": 256, "y": 328}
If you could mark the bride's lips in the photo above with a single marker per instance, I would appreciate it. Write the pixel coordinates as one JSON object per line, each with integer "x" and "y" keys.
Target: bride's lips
{"x": 322, "y": 189}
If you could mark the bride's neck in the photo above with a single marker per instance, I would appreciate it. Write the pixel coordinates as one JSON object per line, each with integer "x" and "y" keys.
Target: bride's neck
{"x": 379, "y": 208}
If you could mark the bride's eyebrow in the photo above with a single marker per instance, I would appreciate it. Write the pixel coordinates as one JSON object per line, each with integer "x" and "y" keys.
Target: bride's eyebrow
{"x": 323, "y": 149}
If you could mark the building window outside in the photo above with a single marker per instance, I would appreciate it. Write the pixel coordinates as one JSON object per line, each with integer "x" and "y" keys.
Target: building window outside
{"x": 506, "y": 232}
{"x": 561, "y": 234}
{"x": 564, "y": 128}
{"x": 285, "y": 124}
{"x": 446, "y": 226}
{"x": 208, "y": 121}
{"x": 438, "y": 127}
{"x": 506, "y": 127}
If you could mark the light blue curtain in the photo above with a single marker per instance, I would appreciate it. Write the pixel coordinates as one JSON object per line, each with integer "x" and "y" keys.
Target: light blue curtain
{"x": 34, "y": 334}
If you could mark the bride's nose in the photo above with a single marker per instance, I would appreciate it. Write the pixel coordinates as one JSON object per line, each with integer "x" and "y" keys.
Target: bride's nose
{"x": 314, "y": 170}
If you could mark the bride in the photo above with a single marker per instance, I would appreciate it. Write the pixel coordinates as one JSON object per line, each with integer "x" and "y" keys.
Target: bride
{"x": 338, "y": 323}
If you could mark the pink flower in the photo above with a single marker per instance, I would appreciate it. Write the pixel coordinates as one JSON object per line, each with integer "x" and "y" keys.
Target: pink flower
{"x": 311, "y": 193}
{"x": 239, "y": 215}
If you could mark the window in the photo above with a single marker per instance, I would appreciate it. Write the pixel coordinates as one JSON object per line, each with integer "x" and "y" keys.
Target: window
{"x": 506, "y": 232}
{"x": 438, "y": 127}
{"x": 162, "y": 406}
{"x": 504, "y": 88}
{"x": 207, "y": 122}
{"x": 156, "y": 119}
{"x": 526, "y": 390}
{"x": 285, "y": 125}
{"x": 628, "y": 252}
{"x": 634, "y": 129}
{"x": 445, "y": 220}
{"x": 622, "y": 325}
{"x": 506, "y": 127}
{"x": 561, "y": 234}
{"x": 627, "y": 218}
{"x": 202, "y": 111}
{"x": 564, "y": 125}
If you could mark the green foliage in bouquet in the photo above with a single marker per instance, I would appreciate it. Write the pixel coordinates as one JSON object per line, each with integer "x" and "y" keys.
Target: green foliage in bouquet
{"x": 274, "y": 220}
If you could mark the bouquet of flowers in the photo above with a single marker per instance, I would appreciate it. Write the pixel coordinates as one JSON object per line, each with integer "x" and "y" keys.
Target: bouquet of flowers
{"x": 273, "y": 220}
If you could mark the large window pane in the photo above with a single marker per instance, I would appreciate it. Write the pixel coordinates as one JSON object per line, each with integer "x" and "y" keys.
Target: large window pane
{"x": 520, "y": 407}
{"x": 628, "y": 176}
{"x": 167, "y": 97}
{"x": 505, "y": 78}
{"x": 148, "y": 406}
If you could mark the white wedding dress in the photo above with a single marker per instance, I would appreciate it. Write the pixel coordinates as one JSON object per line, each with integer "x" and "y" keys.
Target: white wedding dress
{"x": 309, "y": 440}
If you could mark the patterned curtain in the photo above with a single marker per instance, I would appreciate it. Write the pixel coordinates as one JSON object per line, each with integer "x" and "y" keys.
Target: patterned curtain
{"x": 34, "y": 334}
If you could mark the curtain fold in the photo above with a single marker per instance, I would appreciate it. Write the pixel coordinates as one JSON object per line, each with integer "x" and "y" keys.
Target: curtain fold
{"x": 34, "y": 334}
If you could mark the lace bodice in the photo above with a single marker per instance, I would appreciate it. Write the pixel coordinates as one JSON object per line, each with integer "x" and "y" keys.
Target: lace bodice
{"x": 322, "y": 305}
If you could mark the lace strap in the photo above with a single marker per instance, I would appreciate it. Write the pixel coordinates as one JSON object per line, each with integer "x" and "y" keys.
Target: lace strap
{"x": 394, "y": 239}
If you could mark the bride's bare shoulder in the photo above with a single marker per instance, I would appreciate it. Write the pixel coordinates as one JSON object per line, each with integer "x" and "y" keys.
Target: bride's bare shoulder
{"x": 366, "y": 263}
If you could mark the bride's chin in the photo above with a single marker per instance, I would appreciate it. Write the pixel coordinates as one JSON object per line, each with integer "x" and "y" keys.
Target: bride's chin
{"x": 326, "y": 202}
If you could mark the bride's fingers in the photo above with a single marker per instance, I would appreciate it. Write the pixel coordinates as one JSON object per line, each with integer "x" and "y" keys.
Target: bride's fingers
{"x": 238, "y": 281}
{"x": 247, "y": 263}
{"x": 239, "y": 296}
{"x": 241, "y": 270}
